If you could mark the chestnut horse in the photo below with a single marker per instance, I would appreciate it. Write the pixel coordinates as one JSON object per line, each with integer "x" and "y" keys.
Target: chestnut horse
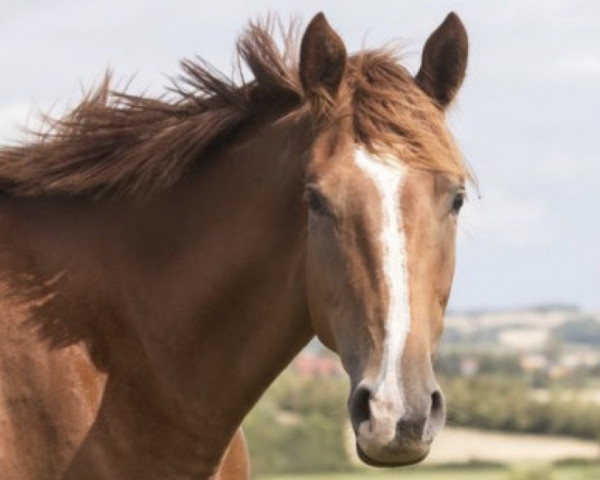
{"x": 193, "y": 244}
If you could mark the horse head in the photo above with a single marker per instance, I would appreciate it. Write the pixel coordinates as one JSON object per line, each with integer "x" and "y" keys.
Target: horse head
{"x": 384, "y": 187}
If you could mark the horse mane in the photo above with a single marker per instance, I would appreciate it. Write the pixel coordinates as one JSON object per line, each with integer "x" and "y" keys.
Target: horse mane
{"x": 118, "y": 145}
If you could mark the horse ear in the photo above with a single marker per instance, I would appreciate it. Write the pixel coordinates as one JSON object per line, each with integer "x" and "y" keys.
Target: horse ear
{"x": 322, "y": 60}
{"x": 444, "y": 61}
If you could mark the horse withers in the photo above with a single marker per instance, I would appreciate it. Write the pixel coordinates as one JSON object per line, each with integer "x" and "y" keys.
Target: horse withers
{"x": 195, "y": 243}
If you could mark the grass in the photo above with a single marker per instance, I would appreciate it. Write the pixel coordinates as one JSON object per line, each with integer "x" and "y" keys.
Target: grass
{"x": 484, "y": 474}
{"x": 518, "y": 472}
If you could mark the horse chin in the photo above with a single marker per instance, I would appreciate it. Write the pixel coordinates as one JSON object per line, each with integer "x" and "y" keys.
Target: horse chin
{"x": 401, "y": 462}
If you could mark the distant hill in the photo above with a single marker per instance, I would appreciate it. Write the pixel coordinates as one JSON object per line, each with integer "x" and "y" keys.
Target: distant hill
{"x": 523, "y": 329}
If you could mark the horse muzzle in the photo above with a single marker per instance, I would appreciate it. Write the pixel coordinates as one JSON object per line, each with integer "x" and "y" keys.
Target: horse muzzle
{"x": 393, "y": 432}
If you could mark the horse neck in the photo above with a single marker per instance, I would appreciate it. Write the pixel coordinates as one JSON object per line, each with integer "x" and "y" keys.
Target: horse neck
{"x": 209, "y": 304}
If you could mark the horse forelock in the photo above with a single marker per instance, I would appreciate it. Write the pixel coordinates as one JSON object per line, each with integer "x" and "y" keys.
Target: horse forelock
{"x": 119, "y": 145}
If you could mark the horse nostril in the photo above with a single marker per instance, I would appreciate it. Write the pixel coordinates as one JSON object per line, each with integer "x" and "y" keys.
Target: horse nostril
{"x": 437, "y": 406}
{"x": 360, "y": 410}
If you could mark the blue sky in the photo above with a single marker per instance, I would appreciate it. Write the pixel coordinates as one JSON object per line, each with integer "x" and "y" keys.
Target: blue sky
{"x": 527, "y": 119}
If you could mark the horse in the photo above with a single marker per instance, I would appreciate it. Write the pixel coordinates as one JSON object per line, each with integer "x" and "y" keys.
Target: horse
{"x": 164, "y": 259}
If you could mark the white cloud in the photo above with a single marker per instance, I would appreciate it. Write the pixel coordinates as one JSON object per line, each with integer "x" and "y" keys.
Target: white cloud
{"x": 508, "y": 220}
{"x": 584, "y": 65}
{"x": 570, "y": 166}
{"x": 13, "y": 117}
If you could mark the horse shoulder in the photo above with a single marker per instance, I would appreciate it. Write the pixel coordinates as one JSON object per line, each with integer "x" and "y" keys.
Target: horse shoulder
{"x": 48, "y": 399}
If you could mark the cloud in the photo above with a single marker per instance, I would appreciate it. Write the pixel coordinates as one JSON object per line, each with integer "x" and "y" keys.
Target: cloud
{"x": 578, "y": 65}
{"x": 13, "y": 117}
{"x": 508, "y": 220}
{"x": 568, "y": 166}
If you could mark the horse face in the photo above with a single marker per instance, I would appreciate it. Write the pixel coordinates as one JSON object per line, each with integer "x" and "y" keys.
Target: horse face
{"x": 380, "y": 261}
{"x": 379, "y": 270}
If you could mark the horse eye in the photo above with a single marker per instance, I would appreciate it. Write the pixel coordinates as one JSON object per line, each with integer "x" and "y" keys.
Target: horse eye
{"x": 458, "y": 202}
{"x": 316, "y": 202}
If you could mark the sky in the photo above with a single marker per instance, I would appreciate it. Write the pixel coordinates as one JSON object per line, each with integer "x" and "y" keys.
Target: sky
{"x": 527, "y": 117}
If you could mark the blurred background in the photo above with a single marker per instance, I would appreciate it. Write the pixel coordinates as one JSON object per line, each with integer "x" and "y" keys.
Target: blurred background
{"x": 520, "y": 358}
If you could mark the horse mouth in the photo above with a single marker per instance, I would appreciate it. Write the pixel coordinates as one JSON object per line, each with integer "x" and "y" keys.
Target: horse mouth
{"x": 403, "y": 460}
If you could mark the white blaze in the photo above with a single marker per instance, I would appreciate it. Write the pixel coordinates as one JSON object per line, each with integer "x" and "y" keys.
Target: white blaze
{"x": 387, "y": 402}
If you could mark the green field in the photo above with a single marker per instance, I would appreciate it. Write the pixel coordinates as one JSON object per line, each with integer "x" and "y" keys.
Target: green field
{"x": 584, "y": 472}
